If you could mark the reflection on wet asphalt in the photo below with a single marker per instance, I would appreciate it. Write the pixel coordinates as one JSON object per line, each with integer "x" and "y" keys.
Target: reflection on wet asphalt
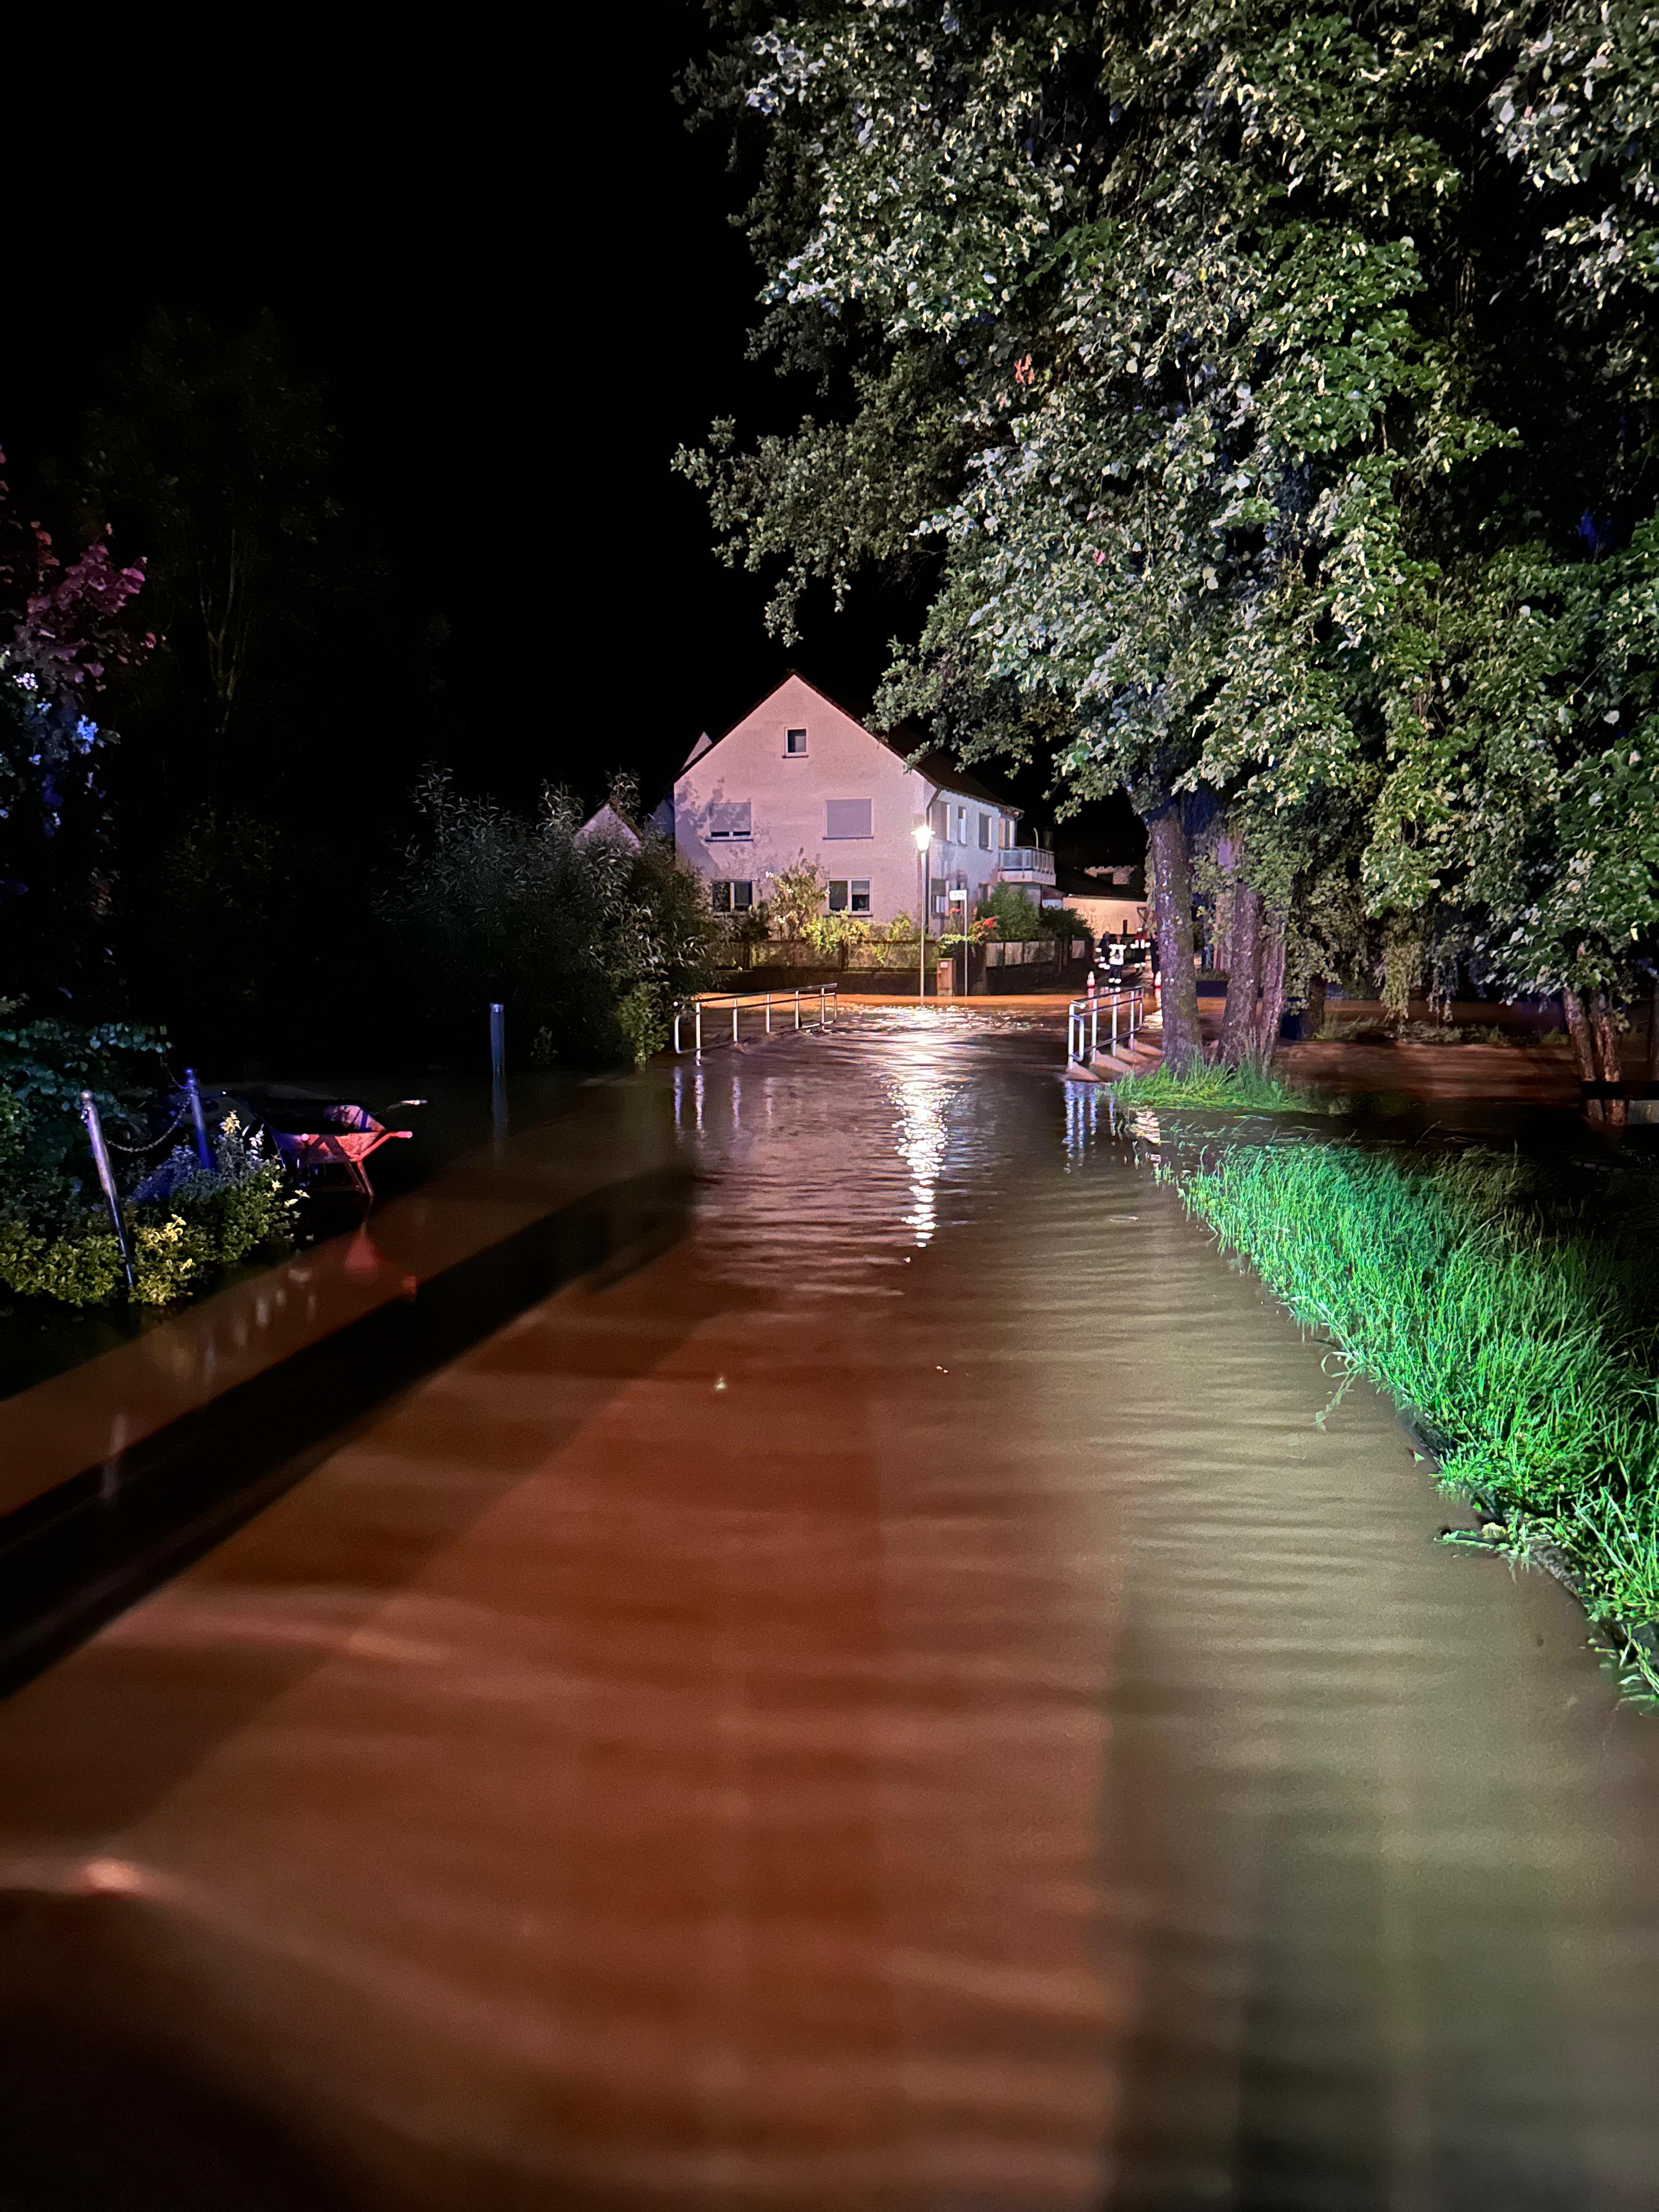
{"x": 895, "y": 1704}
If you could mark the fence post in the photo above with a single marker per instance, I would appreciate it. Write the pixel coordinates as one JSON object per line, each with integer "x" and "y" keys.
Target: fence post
{"x": 820, "y": 1006}
{"x": 1094, "y": 1031}
{"x": 204, "y": 1151}
{"x": 106, "y": 1178}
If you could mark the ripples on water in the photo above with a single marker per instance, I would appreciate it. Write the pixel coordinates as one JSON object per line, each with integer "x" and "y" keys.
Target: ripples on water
{"x": 899, "y": 1704}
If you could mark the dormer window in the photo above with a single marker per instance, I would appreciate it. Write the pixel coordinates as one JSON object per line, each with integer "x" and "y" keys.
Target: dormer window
{"x": 794, "y": 742}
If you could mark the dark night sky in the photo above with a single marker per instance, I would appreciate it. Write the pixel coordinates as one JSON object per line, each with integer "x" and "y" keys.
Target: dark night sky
{"x": 516, "y": 276}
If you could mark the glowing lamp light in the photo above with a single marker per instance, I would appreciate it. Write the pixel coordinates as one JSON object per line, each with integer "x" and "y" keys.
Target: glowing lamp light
{"x": 923, "y": 835}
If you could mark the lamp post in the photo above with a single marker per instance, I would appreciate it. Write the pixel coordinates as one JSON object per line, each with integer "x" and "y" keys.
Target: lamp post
{"x": 924, "y": 837}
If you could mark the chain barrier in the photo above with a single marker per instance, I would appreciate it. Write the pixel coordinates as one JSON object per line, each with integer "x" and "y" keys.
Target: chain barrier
{"x": 154, "y": 1141}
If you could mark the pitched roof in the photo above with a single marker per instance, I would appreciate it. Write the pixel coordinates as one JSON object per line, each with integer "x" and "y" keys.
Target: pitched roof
{"x": 936, "y": 766}
{"x": 610, "y": 821}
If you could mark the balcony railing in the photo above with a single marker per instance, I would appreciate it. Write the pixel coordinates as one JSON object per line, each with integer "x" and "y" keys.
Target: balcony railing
{"x": 1026, "y": 863}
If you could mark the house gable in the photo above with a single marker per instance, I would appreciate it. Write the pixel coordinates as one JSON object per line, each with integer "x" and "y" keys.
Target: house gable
{"x": 800, "y": 778}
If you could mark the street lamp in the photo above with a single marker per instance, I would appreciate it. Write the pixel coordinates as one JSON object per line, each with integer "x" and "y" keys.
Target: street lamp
{"x": 924, "y": 837}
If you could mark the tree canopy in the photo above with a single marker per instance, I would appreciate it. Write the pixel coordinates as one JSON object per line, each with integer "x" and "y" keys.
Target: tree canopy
{"x": 1274, "y": 386}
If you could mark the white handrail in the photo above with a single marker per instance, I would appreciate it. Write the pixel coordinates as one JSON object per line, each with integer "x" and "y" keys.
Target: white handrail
{"x": 692, "y": 1010}
{"x": 1083, "y": 1023}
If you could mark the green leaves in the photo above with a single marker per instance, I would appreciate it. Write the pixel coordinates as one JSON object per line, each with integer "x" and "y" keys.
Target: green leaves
{"x": 1248, "y": 379}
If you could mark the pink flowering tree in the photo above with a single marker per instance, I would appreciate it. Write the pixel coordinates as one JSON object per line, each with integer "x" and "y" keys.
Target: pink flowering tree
{"x": 64, "y": 627}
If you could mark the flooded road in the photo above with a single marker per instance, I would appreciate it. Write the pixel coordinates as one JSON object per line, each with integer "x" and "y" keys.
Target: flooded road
{"x": 899, "y": 1702}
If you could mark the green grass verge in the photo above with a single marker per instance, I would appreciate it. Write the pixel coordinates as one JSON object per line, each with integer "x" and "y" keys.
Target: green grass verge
{"x": 1525, "y": 1346}
{"x": 1247, "y": 1089}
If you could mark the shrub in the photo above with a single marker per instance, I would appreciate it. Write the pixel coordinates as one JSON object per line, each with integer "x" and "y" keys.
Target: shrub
{"x": 495, "y": 905}
{"x": 183, "y": 1220}
{"x": 1018, "y": 917}
{"x": 646, "y": 1021}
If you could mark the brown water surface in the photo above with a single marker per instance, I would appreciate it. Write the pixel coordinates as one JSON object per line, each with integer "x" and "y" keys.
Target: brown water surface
{"x": 899, "y": 1703}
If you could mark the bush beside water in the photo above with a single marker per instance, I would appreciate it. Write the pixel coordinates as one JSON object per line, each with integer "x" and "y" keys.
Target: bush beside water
{"x": 1521, "y": 1335}
{"x": 183, "y": 1220}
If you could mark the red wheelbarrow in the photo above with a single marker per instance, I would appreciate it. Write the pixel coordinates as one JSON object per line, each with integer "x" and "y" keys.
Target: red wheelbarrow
{"x": 352, "y": 1134}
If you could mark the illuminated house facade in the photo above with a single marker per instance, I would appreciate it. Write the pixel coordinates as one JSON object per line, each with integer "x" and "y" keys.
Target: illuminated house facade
{"x": 798, "y": 777}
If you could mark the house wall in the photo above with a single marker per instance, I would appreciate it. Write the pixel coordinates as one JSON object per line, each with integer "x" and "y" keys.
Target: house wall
{"x": 1110, "y": 917}
{"x": 787, "y": 796}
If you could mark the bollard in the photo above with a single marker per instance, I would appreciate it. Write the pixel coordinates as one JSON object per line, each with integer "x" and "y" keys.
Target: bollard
{"x": 797, "y": 1010}
{"x": 106, "y": 1178}
{"x": 498, "y": 1068}
{"x": 700, "y": 1028}
{"x": 769, "y": 1013}
{"x": 734, "y": 1020}
{"x": 203, "y": 1150}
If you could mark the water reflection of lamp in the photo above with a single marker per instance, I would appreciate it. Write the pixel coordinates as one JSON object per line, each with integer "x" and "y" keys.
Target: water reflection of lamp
{"x": 923, "y": 1142}
{"x": 924, "y": 837}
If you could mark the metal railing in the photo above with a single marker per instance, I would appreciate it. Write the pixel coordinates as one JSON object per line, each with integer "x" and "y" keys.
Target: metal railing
{"x": 1026, "y": 860}
{"x": 1083, "y": 1023}
{"x": 782, "y": 1003}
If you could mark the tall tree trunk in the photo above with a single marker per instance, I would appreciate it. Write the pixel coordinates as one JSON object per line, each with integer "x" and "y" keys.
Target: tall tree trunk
{"x": 1317, "y": 987}
{"x": 1273, "y": 987}
{"x": 1606, "y": 1055}
{"x": 1243, "y": 972}
{"x": 1583, "y": 1047}
{"x": 1177, "y": 986}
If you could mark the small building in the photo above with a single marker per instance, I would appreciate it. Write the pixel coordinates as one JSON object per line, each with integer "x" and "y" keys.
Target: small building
{"x": 801, "y": 778}
{"x": 1112, "y": 901}
{"x": 614, "y": 826}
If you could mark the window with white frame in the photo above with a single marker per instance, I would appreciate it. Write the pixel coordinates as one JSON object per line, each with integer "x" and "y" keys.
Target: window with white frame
{"x": 941, "y": 898}
{"x": 735, "y": 897}
{"x": 938, "y": 820}
{"x": 794, "y": 743}
{"x": 984, "y": 833}
{"x": 962, "y": 825}
{"x": 851, "y": 896}
{"x": 846, "y": 817}
{"x": 1004, "y": 831}
{"x": 729, "y": 817}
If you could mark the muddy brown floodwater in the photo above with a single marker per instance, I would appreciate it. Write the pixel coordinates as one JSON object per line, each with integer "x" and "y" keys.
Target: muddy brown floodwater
{"x": 898, "y": 1703}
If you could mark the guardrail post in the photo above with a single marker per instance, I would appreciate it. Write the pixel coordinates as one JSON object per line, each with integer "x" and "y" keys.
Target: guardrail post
{"x": 203, "y": 1150}
{"x": 106, "y": 1180}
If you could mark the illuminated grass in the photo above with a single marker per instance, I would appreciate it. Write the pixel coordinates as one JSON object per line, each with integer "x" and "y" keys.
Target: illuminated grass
{"x": 1215, "y": 1089}
{"x": 1524, "y": 1348}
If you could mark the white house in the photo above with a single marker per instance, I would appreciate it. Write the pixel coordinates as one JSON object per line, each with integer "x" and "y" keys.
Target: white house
{"x": 798, "y": 777}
